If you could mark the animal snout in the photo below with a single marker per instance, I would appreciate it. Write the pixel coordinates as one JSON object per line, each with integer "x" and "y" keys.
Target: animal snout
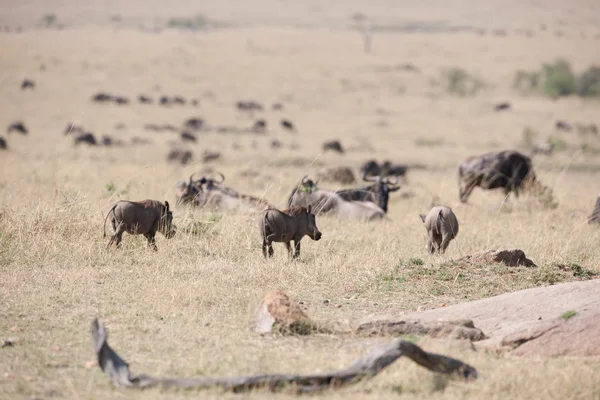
{"x": 317, "y": 235}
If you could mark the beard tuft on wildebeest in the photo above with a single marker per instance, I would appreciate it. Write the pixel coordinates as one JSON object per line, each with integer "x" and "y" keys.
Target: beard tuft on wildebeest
{"x": 144, "y": 217}
{"x": 284, "y": 226}
{"x": 506, "y": 169}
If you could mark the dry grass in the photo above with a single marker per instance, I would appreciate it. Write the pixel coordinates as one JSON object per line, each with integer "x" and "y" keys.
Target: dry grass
{"x": 185, "y": 310}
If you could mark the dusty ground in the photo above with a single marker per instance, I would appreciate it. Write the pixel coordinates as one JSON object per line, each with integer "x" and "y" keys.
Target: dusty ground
{"x": 185, "y": 310}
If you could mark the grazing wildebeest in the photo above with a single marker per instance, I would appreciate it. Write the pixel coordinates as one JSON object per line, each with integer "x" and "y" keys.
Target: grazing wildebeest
{"x": 188, "y": 136}
{"x": 211, "y": 193}
{"x": 287, "y": 124}
{"x": 502, "y": 106}
{"x": 194, "y": 124}
{"x": 121, "y": 100}
{"x": 102, "y": 97}
{"x": 370, "y": 168}
{"x": 378, "y": 192}
{"x": 180, "y": 155}
{"x": 18, "y": 127}
{"x": 260, "y": 126}
{"x": 442, "y": 226}
{"x": 27, "y": 84}
{"x": 330, "y": 202}
{"x": 563, "y": 126}
{"x": 85, "y": 137}
{"x": 506, "y": 169}
{"x": 144, "y": 99}
{"x": 3, "y": 144}
{"x": 144, "y": 217}
{"x": 285, "y": 226}
{"x": 249, "y": 105}
{"x": 333, "y": 145}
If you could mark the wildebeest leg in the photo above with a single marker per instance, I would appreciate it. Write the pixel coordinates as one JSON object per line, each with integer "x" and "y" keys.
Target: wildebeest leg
{"x": 151, "y": 239}
{"x": 296, "y": 249}
{"x": 289, "y": 248}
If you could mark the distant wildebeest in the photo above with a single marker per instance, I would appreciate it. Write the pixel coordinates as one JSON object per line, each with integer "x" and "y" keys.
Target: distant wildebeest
{"x": 194, "y": 124}
{"x": 180, "y": 155}
{"x": 594, "y": 217}
{"x": 371, "y": 168}
{"x": 287, "y": 124}
{"x": 18, "y": 127}
{"x": 208, "y": 192}
{"x": 140, "y": 218}
{"x": 506, "y": 169}
{"x": 502, "y": 106}
{"x": 343, "y": 175}
{"x": 102, "y": 97}
{"x": 260, "y": 126}
{"x": 209, "y": 156}
{"x": 563, "y": 126}
{"x": 276, "y": 144}
{"x": 188, "y": 136}
{"x": 121, "y": 100}
{"x": 378, "y": 192}
{"x": 333, "y": 145}
{"x": 164, "y": 101}
{"x": 3, "y": 144}
{"x": 277, "y": 106}
{"x": 442, "y": 226}
{"x": 285, "y": 226}
{"x": 145, "y": 99}
{"x": 85, "y": 137}
{"x": 27, "y": 84}
{"x": 249, "y": 105}
{"x": 330, "y": 202}
{"x": 179, "y": 100}
{"x": 110, "y": 141}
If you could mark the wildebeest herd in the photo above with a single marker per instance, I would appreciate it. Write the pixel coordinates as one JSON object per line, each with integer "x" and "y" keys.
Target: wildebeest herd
{"x": 507, "y": 170}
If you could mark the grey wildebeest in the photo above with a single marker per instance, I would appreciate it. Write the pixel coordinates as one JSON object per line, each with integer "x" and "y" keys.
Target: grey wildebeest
{"x": 144, "y": 217}
{"x": 211, "y": 193}
{"x": 506, "y": 169}
{"x": 378, "y": 192}
{"x": 330, "y": 202}
{"x": 285, "y": 226}
{"x": 442, "y": 226}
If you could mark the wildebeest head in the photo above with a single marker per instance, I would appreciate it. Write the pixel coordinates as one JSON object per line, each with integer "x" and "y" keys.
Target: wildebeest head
{"x": 166, "y": 226}
{"x": 305, "y": 186}
{"x": 381, "y": 189}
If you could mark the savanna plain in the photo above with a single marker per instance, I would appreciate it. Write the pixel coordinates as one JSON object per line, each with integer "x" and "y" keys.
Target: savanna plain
{"x": 185, "y": 309}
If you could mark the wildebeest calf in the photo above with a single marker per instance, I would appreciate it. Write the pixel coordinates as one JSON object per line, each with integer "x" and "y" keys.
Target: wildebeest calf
{"x": 442, "y": 227}
{"x": 144, "y": 217}
{"x": 285, "y": 226}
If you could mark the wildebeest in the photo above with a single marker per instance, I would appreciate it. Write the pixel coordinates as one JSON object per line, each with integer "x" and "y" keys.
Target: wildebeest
{"x": 287, "y": 124}
{"x": 563, "y": 126}
{"x": 27, "y": 84}
{"x": 442, "y": 226}
{"x": 3, "y": 144}
{"x": 17, "y": 126}
{"x": 180, "y": 155}
{"x": 378, "y": 192}
{"x": 343, "y": 175}
{"x": 371, "y": 169}
{"x": 85, "y": 137}
{"x": 285, "y": 226}
{"x": 249, "y": 105}
{"x": 333, "y": 145}
{"x": 194, "y": 124}
{"x": 330, "y": 202}
{"x": 144, "y": 217}
{"x": 260, "y": 126}
{"x": 208, "y": 192}
{"x": 102, "y": 97}
{"x": 144, "y": 99}
{"x": 188, "y": 136}
{"x": 506, "y": 169}
{"x": 502, "y": 106}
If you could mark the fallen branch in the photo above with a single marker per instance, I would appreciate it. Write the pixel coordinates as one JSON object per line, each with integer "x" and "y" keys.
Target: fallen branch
{"x": 117, "y": 370}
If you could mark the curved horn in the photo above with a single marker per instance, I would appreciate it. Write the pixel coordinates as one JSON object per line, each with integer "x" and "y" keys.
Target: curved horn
{"x": 222, "y": 178}
{"x": 392, "y": 179}
{"x": 303, "y": 181}
{"x": 370, "y": 178}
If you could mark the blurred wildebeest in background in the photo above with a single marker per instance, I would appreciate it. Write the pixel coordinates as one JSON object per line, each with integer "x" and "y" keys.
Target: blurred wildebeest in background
{"x": 194, "y": 124}
{"x": 144, "y": 217}
{"x": 505, "y": 169}
{"x": 3, "y": 143}
{"x": 277, "y": 107}
{"x": 145, "y": 99}
{"x": 209, "y": 156}
{"x": 285, "y": 226}
{"x": 287, "y": 124}
{"x": 563, "y": 126}
{"x": 188, "y": 136}
{"x": 85, "y": 137}
{"x": 249, "y": 105}
{"x": 102, "y": 97}
{"x": 371, "y": 169}
{"x": 260, "y": 126}
{"x": 502, "y": 106}
{"x": 27, "y": 84}
{"x": 211, "y": 193}
{"x": 378, "y": 192}
{"x": 330, "y": 202}
{"x": 110, "y": 141}
{"x": 180, "y": 155}
{"x": 343, "y": 175}
{"x": 17, "y": 126}
{"x": 594, "y": 217}
{"x": 333, "y": 145}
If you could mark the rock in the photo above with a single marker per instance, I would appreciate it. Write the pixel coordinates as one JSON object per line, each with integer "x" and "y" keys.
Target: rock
{"x": 278, "y": 313}
{"x": 575, "y": 336}
{"x": 510, "y": 258}
{"x": 343, "y": 175}
{"x": 397, "y": 326}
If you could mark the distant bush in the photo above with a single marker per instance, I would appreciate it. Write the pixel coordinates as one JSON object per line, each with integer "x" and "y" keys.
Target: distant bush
{"x": 459, "y": 82}
{"x": 196, "y": 22}
{"x": 557, "y": 80}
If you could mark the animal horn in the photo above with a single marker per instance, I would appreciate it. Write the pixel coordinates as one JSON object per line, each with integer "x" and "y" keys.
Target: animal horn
{"x": 370, "y": 178}
{"x": 393, "y": 180}
{"x": 303, "y": 181}
{"x": 222, "y": 177}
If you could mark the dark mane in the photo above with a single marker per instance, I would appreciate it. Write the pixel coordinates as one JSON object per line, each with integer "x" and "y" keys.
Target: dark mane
{"x": 294, "y": 210}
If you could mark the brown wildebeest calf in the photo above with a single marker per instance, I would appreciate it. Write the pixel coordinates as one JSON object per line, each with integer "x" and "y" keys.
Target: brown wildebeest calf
{"x": 144, "y": 217}
{"x": 285, "y": 226}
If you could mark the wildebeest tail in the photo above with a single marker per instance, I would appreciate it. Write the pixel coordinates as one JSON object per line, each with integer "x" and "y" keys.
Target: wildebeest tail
{"x": 105, "y": 218}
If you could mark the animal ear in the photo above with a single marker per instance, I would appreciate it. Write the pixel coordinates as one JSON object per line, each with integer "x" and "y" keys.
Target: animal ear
{"x": 422, "y": 217}
{"x": 309, "y": 208}
{"x": 167, "y": 205}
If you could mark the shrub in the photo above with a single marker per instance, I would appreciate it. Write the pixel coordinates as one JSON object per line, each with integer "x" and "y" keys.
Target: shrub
{"x": 558, "y": 80}
{"x": 588, "y": 84}
{"x": 458, "y": 82}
